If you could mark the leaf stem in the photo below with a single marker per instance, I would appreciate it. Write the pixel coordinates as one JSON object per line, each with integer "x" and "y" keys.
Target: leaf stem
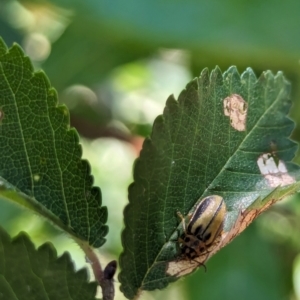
{"x": 104, "y": 278}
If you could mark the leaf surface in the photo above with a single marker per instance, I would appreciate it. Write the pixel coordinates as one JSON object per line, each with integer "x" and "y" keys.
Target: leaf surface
{"x": 41, "y": 155}
{"x": 27, "y": 273}
{"x": 226, "y": 135}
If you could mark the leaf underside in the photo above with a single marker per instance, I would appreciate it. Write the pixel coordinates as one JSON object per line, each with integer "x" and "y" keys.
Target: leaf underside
{"x": 211, "y": 141}
{"x": 27, "y": 273}
{"x": 41, "y": 155}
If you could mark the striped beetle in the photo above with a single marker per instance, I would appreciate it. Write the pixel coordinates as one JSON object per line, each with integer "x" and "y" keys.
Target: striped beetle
{"x": 204, "y": 226}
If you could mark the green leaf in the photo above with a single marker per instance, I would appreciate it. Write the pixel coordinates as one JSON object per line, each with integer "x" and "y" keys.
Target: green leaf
{"x": 199, "y": 147}
{"x": 40, "y": 154}
{"x": 27, "y": 273}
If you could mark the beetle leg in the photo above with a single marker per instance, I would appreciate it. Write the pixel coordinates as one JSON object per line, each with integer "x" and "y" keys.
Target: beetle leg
{"x": 201, "y": 264}
{"x": 179, "y": 214}
{"x": 181, "y": 241}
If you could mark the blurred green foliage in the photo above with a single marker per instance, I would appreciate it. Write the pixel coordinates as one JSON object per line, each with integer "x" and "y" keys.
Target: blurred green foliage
{"x": 114, "y": 63}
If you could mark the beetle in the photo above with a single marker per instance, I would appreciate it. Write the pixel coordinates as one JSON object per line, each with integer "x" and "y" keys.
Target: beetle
{"x": 203, "y": 227}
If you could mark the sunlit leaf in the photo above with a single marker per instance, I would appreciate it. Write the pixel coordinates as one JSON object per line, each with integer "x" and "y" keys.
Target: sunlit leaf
{"x": 40, "y": 154}
{"x": 226, "y": 135}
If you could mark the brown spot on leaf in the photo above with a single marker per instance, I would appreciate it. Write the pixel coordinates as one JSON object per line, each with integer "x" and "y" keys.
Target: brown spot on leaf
{"x": 236, "y": 108}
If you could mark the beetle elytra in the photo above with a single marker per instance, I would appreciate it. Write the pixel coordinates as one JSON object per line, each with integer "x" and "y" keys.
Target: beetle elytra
{"x": 204, "y": 226}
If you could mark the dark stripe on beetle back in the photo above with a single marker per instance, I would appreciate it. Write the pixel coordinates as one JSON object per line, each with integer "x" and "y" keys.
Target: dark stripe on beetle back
{"x": 215, "y": 214}
{"x": 202, "y": 208}
{"x": 198, "y": 212}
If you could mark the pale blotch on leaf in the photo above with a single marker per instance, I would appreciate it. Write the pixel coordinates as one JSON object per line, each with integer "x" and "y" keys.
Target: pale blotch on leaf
{"x": 184, "y": 265}
{"x": 236, "y": 108}
{"x": 274, "y": 170}
{"x": 36, "y": 177}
